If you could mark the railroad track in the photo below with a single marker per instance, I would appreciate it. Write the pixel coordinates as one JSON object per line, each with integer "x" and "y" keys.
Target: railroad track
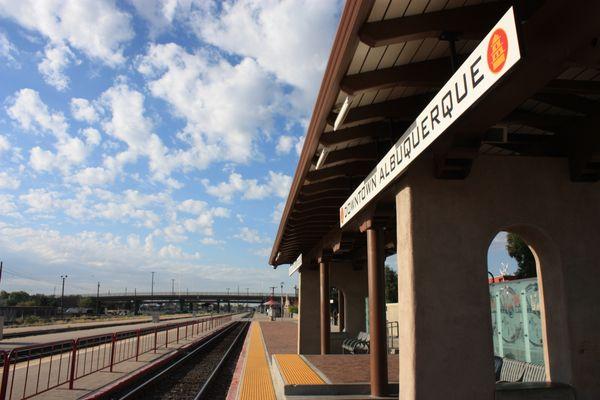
{"x": 202, "y": 372}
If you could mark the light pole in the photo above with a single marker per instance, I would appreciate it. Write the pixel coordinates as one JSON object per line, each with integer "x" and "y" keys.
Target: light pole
{"x": 98, "y": 299}
{"x": 172, "y": 286}
{"x": 247, "y": 296}
{"x": 62, "y": 296}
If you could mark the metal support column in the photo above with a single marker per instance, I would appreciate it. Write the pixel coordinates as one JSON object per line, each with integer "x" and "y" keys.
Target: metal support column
{"x": 377, "y": 321}
{"x": 325, "y": 324}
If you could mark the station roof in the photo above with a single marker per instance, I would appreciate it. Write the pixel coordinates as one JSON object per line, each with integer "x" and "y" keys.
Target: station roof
{"x": 389, "y": 58}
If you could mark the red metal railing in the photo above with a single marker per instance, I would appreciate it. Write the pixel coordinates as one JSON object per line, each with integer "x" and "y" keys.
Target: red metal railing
{"x": 30, "y": 370}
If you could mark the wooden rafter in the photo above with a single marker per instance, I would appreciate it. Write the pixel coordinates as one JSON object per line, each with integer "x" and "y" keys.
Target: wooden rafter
{"x": 470, "y": 22}
{"x": 425, "y": 74}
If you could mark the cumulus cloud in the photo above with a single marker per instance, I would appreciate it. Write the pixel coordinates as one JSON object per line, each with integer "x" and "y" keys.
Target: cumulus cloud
{"x": 32, "y": 114}
{"x": 83, "y": 110}
{"x": 275, "y": 184}
{"x": 250, "y": 235}
{"x": 57, "y": 58}
{"x": 160, "y": 14}
{"x": 96, "y": 28}
{"x": 4, "y": 144}
{"x": 7, "y": 205}
{"x": 8, "y": 181}
{"x": 7, "y": 50}
{"x": 286, "y": 143}
{"x": 290, "y": 39}
{"x": 213, "y": 96}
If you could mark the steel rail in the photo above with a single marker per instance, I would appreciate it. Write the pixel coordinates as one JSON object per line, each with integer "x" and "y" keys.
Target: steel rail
{"x": 209, "y": 381}
{"x": 170, "y": 368}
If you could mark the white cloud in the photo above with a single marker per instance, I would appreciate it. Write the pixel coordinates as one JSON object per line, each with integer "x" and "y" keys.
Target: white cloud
{"x": 7, "y": 49}
{"x": 277, "y": 212}
{"x": 286, "y": 143}
{"x": 40, "y": 200}
{"x": 276, "y": 184}
{"x": 264, "y": 252}
{"x": 7, "y": 205}
{"x": 83, "y": 110}
{"x": 160, "y": 13}
{"x": 57, "y": 58}
{"x": 250, "y": 235}
{"x": 32, "y": 114}
{"x": 7, "y": 181}
{"x": 291, "y": 39}
{"x": 92, "y": 136}
{"x": 213, "y": 96}
{"x": 210, "y": 241}
{"x": 96, "y": 28}
{"x": 4, "y": 144}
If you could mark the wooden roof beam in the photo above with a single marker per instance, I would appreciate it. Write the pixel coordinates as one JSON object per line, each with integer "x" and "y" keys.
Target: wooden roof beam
{"x": 356, "y": 168}
{"x": 425, "y": 74}
{"x": 568, "y": 101}
{"x": 471, "y": 22}
{"x": 374, "y": 130}
{"x": 402, "y": 109}
{"x": 355, "y": 153}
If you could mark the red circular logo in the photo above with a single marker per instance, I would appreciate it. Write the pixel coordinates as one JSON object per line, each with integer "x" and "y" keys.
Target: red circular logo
{"x": 497, "y": 51}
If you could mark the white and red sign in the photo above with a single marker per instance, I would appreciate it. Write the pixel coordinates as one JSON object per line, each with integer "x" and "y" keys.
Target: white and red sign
{"x": 497, "y": 53}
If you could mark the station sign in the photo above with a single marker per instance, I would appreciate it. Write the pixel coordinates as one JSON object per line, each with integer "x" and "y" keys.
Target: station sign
{"x": 497, "y": 53}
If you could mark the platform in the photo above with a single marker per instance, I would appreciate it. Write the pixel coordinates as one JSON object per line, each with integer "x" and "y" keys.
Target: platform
{"x": 272, "y": 361}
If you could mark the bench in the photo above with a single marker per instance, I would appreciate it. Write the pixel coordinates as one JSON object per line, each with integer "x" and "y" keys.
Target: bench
{"x": 358, "y": 345}
{"x": 509, "y": 370}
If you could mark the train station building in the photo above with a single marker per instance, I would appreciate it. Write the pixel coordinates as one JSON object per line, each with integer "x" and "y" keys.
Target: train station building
{"x": 437, "y": 125}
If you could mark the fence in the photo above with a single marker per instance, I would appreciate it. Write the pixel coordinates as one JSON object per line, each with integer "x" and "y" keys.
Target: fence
{"x": 516, "y": 321}
{"x": 30, "y": 370}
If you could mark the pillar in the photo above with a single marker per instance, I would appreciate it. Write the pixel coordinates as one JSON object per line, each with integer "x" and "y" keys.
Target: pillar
{"x": 324, "y": 308}
{"x": 377, "y": 322}
{"x": 341, "y": 316}
{"x": 308, "y": 311}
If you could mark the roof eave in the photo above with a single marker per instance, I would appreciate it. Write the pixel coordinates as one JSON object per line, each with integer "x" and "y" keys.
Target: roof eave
{"x": 344, "y": 45}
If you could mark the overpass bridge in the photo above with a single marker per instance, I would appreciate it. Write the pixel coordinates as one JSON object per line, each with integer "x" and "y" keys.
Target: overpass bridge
{"x": 185, "y": 299}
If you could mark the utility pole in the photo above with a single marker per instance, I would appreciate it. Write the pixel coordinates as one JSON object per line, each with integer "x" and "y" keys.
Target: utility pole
{"x": 172, "y": 286}
{"x": 62, "y": 296}
{"x": 98, "y": 299}
{"x": 247, "y": 295}
{"x": 281, "y": 305}
{"x": 1, "y": 271}
{"x": 152, "y": 287}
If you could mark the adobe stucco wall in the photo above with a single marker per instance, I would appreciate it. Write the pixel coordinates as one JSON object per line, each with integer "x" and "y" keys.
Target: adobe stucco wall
{"x": 444, "y": 229}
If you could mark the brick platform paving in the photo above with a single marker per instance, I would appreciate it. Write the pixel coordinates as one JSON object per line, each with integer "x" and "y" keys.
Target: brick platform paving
{"x": 348, "y": 368}
{"x": 281, "y": 337}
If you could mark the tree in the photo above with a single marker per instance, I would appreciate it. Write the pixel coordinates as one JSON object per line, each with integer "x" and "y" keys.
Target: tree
{"x": 518, "y": 249}
{"x": 391, "y": 285}
{"x": 86, "y": 302}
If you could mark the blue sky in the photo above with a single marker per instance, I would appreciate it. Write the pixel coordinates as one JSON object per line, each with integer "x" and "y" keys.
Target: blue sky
{"x": 161, "y": 137}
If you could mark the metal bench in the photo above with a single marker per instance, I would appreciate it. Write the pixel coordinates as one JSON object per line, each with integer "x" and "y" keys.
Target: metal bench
{"x": 534, "y": 373}
{"x": 518, "y": 371}
{"x": 512, "y": 370}
{"x": 358, "y": 345}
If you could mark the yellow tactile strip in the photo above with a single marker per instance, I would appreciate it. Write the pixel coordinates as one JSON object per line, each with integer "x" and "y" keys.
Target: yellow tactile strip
{"x": 296, "y": 371}
{"x": 256, "y": 382}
